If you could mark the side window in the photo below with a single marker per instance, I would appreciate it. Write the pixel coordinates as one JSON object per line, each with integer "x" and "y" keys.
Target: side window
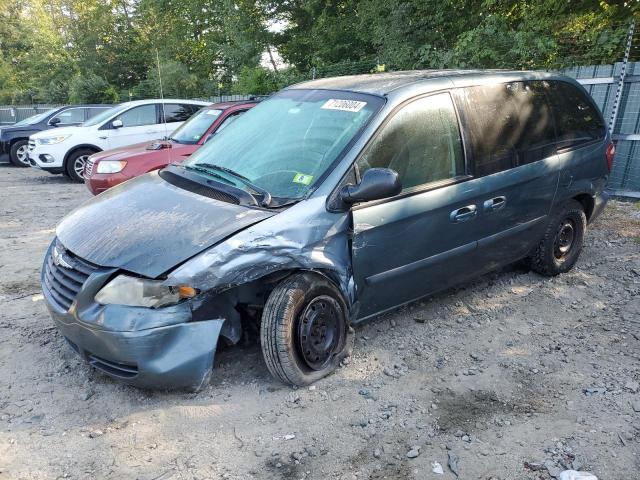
{"x": 138, "y": 116}
{"x": 229, "y": 120}
{"x": 510, "y": 124}
{"x": 421, "y": 142}
{"x": 177, "y": 113}
{"x": 577, "y": 120}
{"x": 536, "y": 138}
{"x": 72, "y": 115}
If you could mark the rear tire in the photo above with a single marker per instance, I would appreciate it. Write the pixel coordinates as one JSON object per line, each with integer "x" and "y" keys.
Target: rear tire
{"x": 18, "y": 153}
{"x": 304, "y": 332}
{"x": 76, "y": 162}
{"x": 562, "y": 243}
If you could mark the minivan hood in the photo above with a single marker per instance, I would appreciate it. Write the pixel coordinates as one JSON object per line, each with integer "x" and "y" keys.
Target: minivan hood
{"x": 148, "y": 226}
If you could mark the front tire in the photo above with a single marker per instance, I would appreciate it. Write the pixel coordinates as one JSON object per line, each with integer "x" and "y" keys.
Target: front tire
{"x": 304, "y": 332}
{"x": 559, "y": 249}
{"x": 19, "y": 153}
{"x": 76, "y": 162}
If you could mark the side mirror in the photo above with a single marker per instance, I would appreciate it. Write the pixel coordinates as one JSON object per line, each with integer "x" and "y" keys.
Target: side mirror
{"x": 376, "y": 183}
{"x": 117, "y": 123}
{"x": 54, "y": 121}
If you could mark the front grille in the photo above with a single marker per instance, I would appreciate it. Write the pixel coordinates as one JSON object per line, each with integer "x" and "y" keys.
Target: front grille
{"x": 32, "y": 145}
{"x": 62, "y": 282}
{"x": 116, "y": 369}
{"x": 88, "y": 168}
{"x": 197, "y": 188}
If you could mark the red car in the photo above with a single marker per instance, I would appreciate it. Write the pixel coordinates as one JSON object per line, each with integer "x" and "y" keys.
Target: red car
{"x": 109, "y": 168}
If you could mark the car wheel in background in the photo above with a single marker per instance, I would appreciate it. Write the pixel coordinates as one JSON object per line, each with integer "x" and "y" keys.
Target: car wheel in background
{"x": 18, "y": 153}
{"x": 304, "y": 332}
{"x": 76, "y": 162}
{"x": 561, "y": 245}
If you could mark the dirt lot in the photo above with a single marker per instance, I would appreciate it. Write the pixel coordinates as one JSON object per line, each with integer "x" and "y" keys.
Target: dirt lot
{"x": 515, "y": 376}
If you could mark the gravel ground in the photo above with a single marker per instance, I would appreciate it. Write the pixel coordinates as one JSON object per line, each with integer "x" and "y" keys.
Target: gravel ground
{"x": 512, "y": 376}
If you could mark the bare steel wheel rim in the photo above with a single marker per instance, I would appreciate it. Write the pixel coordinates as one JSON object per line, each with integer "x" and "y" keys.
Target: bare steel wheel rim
{"x": 564, "y": 239}
{"x": 78, "y": 165}
{"x": 320, "y": 332}
{"x": 21, "y": 154}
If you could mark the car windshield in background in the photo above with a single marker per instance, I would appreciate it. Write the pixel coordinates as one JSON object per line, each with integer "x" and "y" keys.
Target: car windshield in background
{"x": 33, "y": 119}
{"x": 101, "y": 117}
{"x": 286, "y": 144}
{"x": 191, "y": 131}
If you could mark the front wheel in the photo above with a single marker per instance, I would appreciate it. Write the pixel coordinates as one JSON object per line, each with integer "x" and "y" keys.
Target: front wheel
{"x": 559, "y": 249}
{"x": 76, "y": 162}
{"x": 304, "y": 332}
{"x": 18, "y": 153}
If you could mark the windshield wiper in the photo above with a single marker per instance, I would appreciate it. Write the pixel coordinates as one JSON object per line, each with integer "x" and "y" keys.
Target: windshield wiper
{"x": 266, "y": 196}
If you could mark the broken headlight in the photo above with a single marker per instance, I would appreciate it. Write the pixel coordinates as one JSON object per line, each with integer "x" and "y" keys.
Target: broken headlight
{"x": 140, "y": 292}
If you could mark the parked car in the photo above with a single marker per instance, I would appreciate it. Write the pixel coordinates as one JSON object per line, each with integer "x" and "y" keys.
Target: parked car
{"x": 112, "y": 167}
{"x": 66, "y": 150}
{"x": 331, "y": 202}
{"x": 14, "y": 138}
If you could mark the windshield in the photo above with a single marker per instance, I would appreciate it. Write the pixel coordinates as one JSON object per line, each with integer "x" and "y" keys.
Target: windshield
{"x": 285, "y": 144}
{"x": 33, "y": 119}
{"x": 101, "y": 117}
{"x": 193, "y": 129}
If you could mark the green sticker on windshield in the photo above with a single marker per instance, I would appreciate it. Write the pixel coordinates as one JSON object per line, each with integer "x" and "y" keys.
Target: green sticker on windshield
{"x": 302, "y": 178}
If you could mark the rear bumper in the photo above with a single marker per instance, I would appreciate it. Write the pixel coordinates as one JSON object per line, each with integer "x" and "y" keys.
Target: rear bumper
{"x": 600, "y": 202}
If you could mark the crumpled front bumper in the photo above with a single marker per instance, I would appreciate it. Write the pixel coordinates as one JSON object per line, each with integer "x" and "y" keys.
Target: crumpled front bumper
{"x": 151, "y": 348}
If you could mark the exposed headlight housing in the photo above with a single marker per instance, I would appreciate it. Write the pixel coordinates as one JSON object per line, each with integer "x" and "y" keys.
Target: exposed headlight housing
{"x": 140, "y": 292}
{"x": 52, "y": 140}
{"x": 110, "y": 166}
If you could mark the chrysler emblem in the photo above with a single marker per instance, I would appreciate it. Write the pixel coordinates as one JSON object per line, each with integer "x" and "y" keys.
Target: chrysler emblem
{"x": 58, "y": 259}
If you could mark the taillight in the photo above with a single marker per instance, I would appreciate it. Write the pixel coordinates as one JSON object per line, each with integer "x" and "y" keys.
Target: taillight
{"x": 609, "y": 154}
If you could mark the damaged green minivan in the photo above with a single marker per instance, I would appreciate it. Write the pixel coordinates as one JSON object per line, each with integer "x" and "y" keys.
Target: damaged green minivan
{"x": 331, "y": 202}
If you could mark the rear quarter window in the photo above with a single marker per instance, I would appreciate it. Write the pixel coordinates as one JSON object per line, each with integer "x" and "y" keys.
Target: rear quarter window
{"x": 577, "y": 119}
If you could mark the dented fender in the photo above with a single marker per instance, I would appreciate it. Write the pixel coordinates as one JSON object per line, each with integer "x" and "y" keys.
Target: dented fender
{"x": 304, "y": 237}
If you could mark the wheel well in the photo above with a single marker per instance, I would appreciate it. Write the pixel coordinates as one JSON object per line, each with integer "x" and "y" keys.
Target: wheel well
{"x": 14, "y": 140}
{"x": 587, "y": 203}
{"x": 80, "y": 147}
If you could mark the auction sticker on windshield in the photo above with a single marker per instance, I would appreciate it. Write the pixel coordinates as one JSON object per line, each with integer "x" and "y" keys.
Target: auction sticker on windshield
{"x": 344, "y": 105}
{"x": 302, "y": 178}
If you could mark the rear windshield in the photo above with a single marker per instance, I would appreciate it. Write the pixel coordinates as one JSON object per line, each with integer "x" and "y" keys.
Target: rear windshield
{"x": 287, "y": 143}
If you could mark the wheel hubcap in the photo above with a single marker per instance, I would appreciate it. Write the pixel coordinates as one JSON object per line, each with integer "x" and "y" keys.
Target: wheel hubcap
{"x": 21, "y": 154}
{"x": 319, "y": 332}
{"x": 564, "y": 239}
{"x": 78, "y": 165}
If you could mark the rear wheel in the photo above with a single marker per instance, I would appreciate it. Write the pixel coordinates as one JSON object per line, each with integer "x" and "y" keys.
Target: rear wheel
{"x": 562, "y": 243}
{"x": 18, "y": 153}
{"x": 304, "y": 332}
{"x": 76, "y": 162}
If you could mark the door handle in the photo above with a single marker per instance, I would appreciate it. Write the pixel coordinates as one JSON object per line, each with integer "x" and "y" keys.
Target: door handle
{"x": 496, "y": 203}
{"x": 151, "y": 131}
{"x": 102, "y": 137}
{"x": 463, "y": 214}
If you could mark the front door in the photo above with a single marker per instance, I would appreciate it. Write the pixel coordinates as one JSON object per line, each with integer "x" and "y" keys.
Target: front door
{"x": 139, "y": 124}
{"x": 421, "y": 240}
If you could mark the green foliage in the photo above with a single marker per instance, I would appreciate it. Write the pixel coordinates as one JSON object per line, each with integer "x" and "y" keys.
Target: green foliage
{"x": 106, "y": 50}
{"x": 256, "y": 81}
{"x": 91, "y": 88}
